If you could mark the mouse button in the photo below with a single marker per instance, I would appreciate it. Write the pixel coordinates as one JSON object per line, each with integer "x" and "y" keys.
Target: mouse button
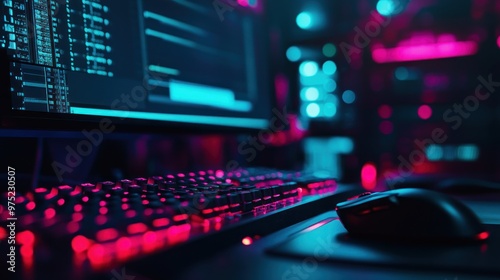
{"x": 360, "y": 195}
{"x": 371, "y": 203}
{"x": 362, "y": 199}
{"x": 371, "y": 210}
{"x": 380, "y": 205}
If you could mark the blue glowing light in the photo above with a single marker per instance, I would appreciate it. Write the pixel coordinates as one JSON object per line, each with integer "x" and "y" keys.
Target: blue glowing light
{"x": 171, "y": 38}
{"x": 175, "y": 23}
{"x": 330, "y": 85}
{"x": 31, "y": 84}
{"x": 293, "y": 53}
{"x": 349, "y": 96}
{"x": 323, "y": 155}
{"x": 252, "y": 3}
{"x": 304, "y": 20}
{"x": 342, "y": 145}
{"x": 211, "y": 120}
{"x": 434, "y": 153}
{"x": 163, "y": 70}
{"x": 468, "y": 152}
{"x": 329, "y": 50}
{"x": 313, "y": 110}
{"x": 329, "y": 67}
{"x": 308, "y": 68}
{"x": 206, "y": 95}
{"x": 401, "y": 73}
{"x": 311, "y": 94}
{"x": 330, "y": 110}
{"x": 386, "y": 7}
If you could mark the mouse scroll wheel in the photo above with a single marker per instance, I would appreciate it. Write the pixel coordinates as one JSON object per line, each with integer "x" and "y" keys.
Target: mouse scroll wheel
{"x": 359, "y": 195}
{"x": 364, "y": 194}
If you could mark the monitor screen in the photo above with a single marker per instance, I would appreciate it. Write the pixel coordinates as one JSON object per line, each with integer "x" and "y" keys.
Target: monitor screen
{"x": 142, "y": 62}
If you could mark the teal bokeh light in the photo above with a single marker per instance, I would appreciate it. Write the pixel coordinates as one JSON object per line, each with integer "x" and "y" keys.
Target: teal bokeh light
{"x": 308, "y": 68}
{"x": 304, "y": 20}
{"x": 349, "y": 96}
{"x": 313, "y": 110}
{"x": 293, "y": 53}
{"x": 329, "y": 67}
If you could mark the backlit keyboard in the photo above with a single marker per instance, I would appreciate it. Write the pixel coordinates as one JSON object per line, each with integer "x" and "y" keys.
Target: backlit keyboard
{"x": 106, "y": 223}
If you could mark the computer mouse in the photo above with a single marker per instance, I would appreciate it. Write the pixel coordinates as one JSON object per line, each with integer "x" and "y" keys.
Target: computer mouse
{"x": 410, "y": 214}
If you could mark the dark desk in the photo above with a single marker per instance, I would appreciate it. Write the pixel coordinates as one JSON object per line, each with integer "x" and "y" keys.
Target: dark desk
{"x": 252, "y": 262}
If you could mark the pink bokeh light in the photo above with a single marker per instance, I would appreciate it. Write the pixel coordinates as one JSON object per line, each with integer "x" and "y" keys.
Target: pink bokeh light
{"x": 369, "y": 176}
{"x": 425, "y": 47}
{"x": 385, "y": 111}
{"x": 386, "y": 127}
{"x": 281, "y": 87}
{"x": 424, "y": 112}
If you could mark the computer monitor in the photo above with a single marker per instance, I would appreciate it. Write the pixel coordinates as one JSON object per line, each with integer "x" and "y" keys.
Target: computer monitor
{"x": 135, "y": 64}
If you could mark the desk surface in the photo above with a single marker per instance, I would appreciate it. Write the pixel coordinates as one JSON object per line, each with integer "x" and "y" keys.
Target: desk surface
{"x": 252, "y": 262}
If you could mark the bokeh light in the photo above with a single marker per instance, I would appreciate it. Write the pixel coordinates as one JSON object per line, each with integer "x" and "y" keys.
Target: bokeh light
{"x": 329, "y": 50}
{"x": 304, "y": 20}
{"x": 311, "y": 94}
{"x": 386, "y": 127}
{"x": 330, "y": 85}
{"x": 369, "y": 176}
{"x": 424, "y": 112}
{"x": 386, "y": 7}
{"x": 401, "y": 73}
{"x": 329, "y": 67}
{"x": 330, "y": 110}
{"x": 293, "y": 53}
{"x": 385, "y": 111}
{"x": 349, "y": 96}
{"x": 313, "y": 110}
{"x": 308, "y": 68}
